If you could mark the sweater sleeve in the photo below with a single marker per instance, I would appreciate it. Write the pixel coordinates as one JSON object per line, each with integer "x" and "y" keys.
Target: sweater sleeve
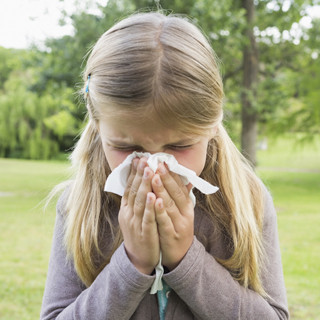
{"x": 115, "y": 293}
{"x": 211, "y": 293}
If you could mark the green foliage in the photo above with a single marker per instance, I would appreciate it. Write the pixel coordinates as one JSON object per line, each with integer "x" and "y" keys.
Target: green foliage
{"x": 298, "y": 107}
{"x": 40, "y": 112}
{"x": 33, "y": 126}
{"x": 9, "y": 62}
{"x": 21, "y": 116}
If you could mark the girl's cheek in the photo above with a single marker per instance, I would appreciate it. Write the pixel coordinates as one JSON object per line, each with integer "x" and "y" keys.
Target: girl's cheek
{"x": 115, "y": 158}
{"x": 191, "y": 159}
{"x": 184, "y": 157}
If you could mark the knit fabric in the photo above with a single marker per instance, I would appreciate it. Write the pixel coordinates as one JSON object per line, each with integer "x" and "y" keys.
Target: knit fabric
{"x": 201, "y": 288}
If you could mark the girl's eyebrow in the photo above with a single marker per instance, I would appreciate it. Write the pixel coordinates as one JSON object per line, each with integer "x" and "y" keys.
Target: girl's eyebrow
{"x": 119, "y": 142}
{"x": 184, "y": 141}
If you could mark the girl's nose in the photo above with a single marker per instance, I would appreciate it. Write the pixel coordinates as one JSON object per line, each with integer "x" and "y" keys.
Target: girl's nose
{"x": 154, "y": 151}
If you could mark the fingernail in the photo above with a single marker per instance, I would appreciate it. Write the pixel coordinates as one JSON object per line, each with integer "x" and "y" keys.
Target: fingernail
{"x": 142, "y": 164}
{"x": 160, "y": 204}
{"x": 158, "y": 181}
{"x": 135, "y": 163}
{"x": 149, "y": 197}
{"x": 146, "y": 173}
{"x": 162, "y": 168}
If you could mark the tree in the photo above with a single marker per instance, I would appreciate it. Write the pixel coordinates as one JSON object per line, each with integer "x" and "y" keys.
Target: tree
{"x": 243, "y": 33}
{"x": 249, "y": 91}
{"x": 269, "y": 72}
{"x": 22, "y": 130}
{"x": 36, "y": 121}
{"x": 301, "y": 110}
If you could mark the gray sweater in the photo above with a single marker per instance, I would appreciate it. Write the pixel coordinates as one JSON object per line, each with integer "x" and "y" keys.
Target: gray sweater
{"x": 201, "y": 287}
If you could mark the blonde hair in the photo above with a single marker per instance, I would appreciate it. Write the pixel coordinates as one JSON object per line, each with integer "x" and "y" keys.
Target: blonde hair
{"x": 161, "y": 65}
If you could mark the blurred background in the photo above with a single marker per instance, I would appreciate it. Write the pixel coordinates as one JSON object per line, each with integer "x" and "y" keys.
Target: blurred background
{"x": 269, "y": 53}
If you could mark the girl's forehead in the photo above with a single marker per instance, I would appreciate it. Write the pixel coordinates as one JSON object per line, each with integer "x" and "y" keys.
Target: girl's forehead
{"x": 127, "y": 130}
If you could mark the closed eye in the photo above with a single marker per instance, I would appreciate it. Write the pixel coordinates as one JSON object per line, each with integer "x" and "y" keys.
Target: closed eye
{"x": 131, "y": 148}
{"x": 180, "y": 147}
{"x": 126, "y": 148}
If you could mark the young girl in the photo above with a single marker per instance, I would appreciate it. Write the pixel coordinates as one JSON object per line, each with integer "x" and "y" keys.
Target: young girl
{"x": 152, "y": 85}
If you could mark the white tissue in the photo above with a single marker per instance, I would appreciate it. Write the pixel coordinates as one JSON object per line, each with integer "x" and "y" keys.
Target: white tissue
{"x": 157, "y": 283}
{"x": 117, "y": 180}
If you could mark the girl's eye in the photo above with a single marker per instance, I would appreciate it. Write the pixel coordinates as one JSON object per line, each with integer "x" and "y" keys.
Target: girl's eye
{"x": 174, "y": 147}
{"x": 125, "y": 148}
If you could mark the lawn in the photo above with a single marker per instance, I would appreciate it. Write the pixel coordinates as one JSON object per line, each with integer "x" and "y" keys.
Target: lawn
{"x": 25, "y": 234}
{"x": 292, "y": 175}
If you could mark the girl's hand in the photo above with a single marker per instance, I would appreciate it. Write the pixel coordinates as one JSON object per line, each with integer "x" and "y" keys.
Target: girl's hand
{"x": 174, "y": 215}
{"x": 137, "y": 218}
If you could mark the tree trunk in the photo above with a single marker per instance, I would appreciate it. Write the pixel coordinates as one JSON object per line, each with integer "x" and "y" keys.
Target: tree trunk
{"x": 250, "y": 77}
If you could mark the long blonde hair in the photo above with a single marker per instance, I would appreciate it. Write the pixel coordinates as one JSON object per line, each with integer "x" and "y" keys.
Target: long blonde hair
{"x": 155, "y": 64}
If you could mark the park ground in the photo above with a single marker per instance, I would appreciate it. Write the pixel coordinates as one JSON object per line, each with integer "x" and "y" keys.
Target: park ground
{"x": 290, "y": 171}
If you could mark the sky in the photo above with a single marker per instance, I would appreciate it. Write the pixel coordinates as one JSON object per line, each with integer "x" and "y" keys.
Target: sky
{"x": 24, "y": 22}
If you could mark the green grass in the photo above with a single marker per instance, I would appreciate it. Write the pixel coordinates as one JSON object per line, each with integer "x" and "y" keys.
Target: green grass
{"x": 25, "y": 234}
{"x": 292, "y": 175}
{"x": 287, "y": 153}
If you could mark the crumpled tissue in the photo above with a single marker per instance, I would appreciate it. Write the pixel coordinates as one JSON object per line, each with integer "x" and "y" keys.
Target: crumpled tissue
{"x": 117, "y": 181}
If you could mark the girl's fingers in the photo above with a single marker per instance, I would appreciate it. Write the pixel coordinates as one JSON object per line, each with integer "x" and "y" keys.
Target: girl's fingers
{"x": 169, "y": 205}
{"x": 165, "y": 224}
{"x": 172, "y": 190}
{"x": 144, "y": 188}
{"x": 162, "y": 193}
{"x": 131, "y": 176}
{"x": 179, "y": 181}
{"x": 149, "y": 218}
{"x": 135, "y": 185}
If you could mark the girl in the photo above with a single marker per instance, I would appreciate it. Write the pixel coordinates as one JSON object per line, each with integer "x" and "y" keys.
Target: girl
{"x": 152, "y": 85}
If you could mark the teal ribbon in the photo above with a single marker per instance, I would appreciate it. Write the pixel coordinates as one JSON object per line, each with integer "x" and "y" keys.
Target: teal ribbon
{"x": 163, "y": 296}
